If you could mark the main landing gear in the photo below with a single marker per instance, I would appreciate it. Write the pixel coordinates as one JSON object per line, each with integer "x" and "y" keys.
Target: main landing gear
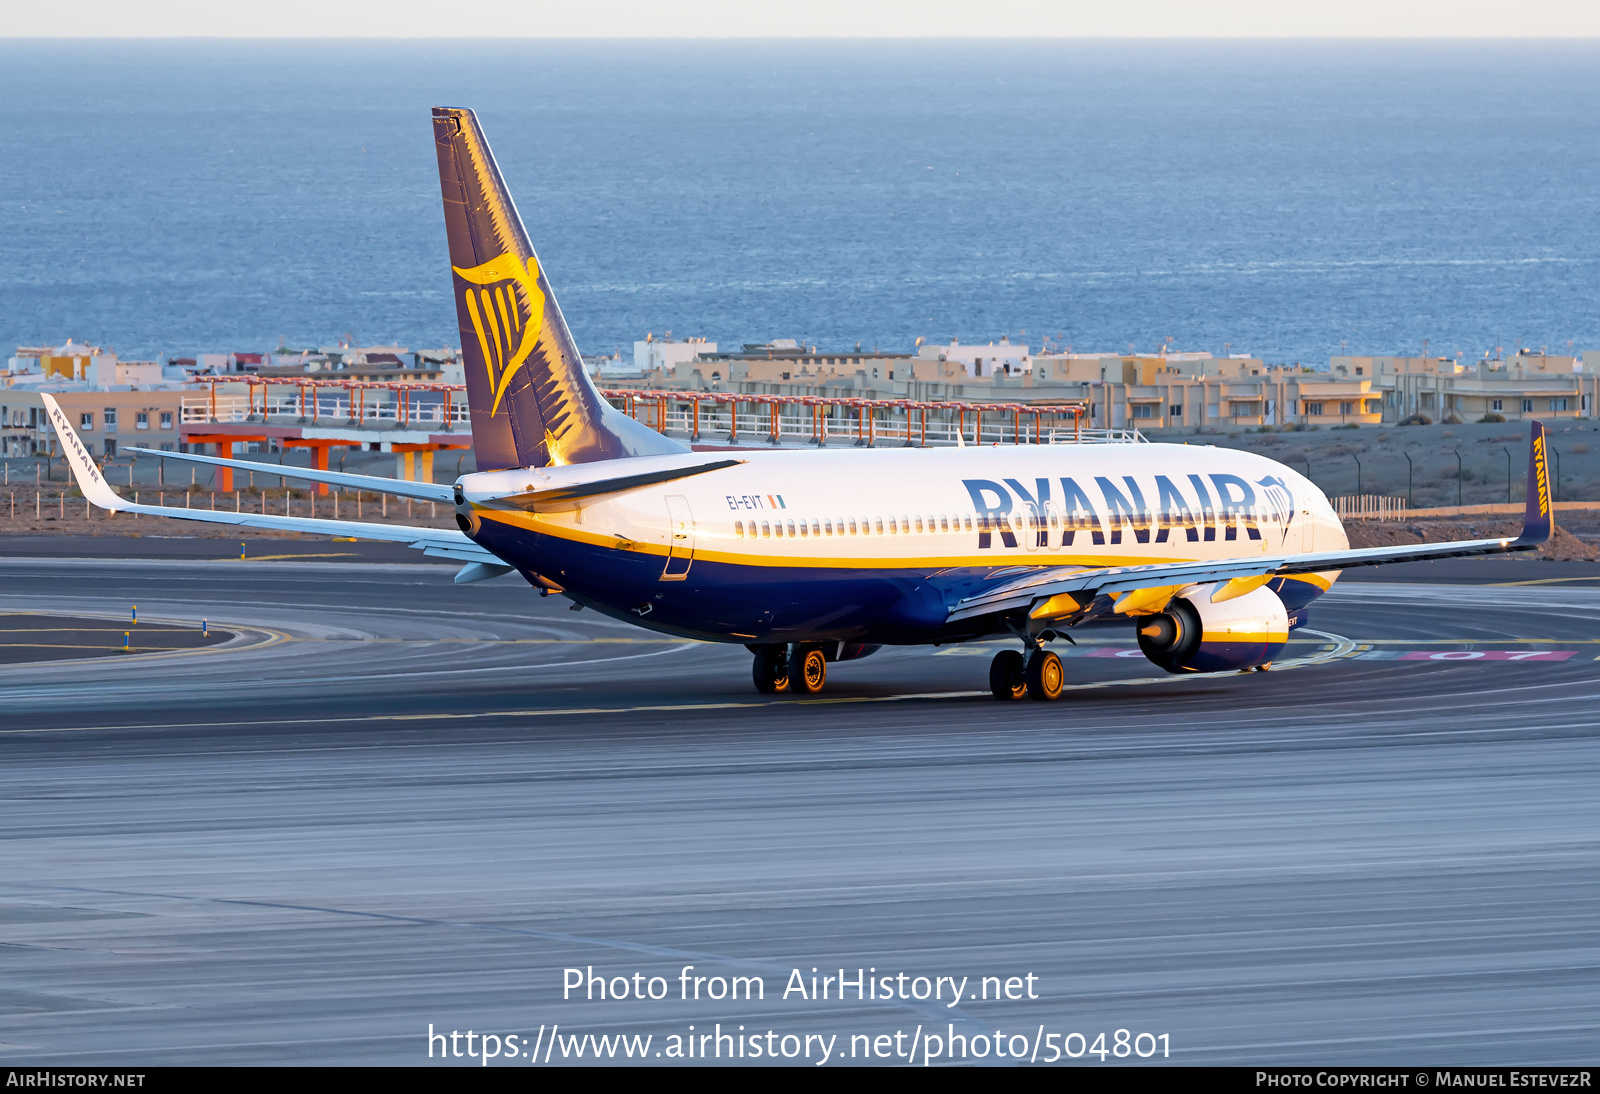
{"x": 1038, "y": 676}
{"x": 799, "y": 669}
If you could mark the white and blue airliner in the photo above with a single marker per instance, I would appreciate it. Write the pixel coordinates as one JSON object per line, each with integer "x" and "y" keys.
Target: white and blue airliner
{"x": 1208, "y": 556}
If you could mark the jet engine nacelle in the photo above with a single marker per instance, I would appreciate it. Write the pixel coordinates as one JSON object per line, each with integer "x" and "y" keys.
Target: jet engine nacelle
{"x": 1195, "y": 635}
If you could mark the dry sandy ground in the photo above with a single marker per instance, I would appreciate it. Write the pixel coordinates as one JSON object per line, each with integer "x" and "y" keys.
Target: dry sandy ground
{"x": 1563, "y": 546}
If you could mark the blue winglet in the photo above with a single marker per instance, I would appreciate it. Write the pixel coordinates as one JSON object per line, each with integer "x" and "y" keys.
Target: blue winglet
{"x": 1538, "y": 521}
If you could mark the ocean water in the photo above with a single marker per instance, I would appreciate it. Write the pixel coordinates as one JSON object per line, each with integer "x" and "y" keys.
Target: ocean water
{"x": 1279, "y": 198}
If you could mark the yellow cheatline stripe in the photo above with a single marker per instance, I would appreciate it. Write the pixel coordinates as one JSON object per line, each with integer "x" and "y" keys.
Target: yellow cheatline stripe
{"x": 1039, "y": 559}
{"x": 532, "y": 522}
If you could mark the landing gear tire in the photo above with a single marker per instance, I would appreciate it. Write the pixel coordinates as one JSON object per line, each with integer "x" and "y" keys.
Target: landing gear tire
{"x": 1045, "y": 676}
{"x": 1008, "y": 676}
{"x": 771, "y": 669}
{"x": 808, "y": 670}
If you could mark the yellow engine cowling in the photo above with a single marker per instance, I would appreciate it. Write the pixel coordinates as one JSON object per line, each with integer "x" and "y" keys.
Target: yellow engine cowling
{"x": 1194, "y": 634}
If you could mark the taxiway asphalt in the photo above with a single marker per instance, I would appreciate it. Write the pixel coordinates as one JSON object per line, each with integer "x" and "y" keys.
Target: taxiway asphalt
{"x": 389, "y": 801}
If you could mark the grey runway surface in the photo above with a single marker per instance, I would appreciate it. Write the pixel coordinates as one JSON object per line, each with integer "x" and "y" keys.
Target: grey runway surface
{"x": 392, "y": 802}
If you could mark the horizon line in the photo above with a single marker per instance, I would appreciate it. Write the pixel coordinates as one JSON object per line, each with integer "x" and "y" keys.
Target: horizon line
{"x": 965, "y": 37}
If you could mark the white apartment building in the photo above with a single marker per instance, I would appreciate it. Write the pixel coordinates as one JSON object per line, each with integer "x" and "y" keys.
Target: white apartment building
{"x": 652, "y": 354}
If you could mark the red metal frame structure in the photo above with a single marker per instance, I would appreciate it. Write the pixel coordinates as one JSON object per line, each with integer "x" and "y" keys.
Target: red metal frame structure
{"x": 865, "y": 411}
{"x": 224, "y": 443}
{"x": 357, "y": 390}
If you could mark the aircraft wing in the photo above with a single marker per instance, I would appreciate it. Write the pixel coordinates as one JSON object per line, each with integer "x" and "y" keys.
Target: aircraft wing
{"x": 378, "y": 484}
{"x": 1063, "y": 591}
{"x": 439, "y": 542}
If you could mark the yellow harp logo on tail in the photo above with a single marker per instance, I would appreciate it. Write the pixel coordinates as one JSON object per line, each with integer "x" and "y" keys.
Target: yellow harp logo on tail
{"x": 507, "y": 311}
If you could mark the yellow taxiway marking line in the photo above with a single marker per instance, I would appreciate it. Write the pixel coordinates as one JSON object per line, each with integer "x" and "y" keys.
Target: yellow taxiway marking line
{"x": 1480, "y": 641}
{"x": 1368, "y": 642}
{"x": 1540, "y": 581}
{"x": 140, "y": 628}
{"x": 552, "y": 713}
{"x": 279, "y": 558}
{"x": 93, "y": 649}
{"x": 111, "y": 653}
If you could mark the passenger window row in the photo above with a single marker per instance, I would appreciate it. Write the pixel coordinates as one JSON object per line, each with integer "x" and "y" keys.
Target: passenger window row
{"x": 852, "y": 526}
{"x": 841, "y": 526}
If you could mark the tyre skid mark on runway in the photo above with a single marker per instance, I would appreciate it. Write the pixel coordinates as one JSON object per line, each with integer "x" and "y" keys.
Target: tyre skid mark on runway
{"x": 1473, "y": 701}
{"x": 1082, "y": 749}
{"x": 942, "y": 1012}
{"x": 22, "y": 692}
{"x": 510, "y": 641}
{"x": 51, "y": 605}
{"x": 1393, "y": 1038}
{"x": 1342, "y": 647}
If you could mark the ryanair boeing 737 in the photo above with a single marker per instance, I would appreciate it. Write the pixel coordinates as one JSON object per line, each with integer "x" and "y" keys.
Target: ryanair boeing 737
{"x": 1209, "y": 556}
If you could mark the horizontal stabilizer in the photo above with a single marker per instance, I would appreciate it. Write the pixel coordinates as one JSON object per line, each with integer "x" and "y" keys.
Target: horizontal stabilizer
{"x": 378, "y": 484}
{"x": 431, "y": 540}
{"x": 553, "y": 496}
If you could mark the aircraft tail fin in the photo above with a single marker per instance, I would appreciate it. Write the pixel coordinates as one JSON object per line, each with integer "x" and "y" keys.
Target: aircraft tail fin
{"x": 531, "y": 402}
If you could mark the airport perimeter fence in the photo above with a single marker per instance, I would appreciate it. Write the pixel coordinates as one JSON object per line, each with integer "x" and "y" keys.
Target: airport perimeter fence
{"x": 44, "y": 500}
{"x": 727, "y": 417}
{"x": 331, "y": 408}
{"x": 822, "y": 421}
{"x": 1369, "y": 507}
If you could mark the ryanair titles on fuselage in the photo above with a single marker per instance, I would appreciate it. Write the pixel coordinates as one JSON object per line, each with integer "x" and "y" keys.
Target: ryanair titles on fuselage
{"x": 1198, "y": 505}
